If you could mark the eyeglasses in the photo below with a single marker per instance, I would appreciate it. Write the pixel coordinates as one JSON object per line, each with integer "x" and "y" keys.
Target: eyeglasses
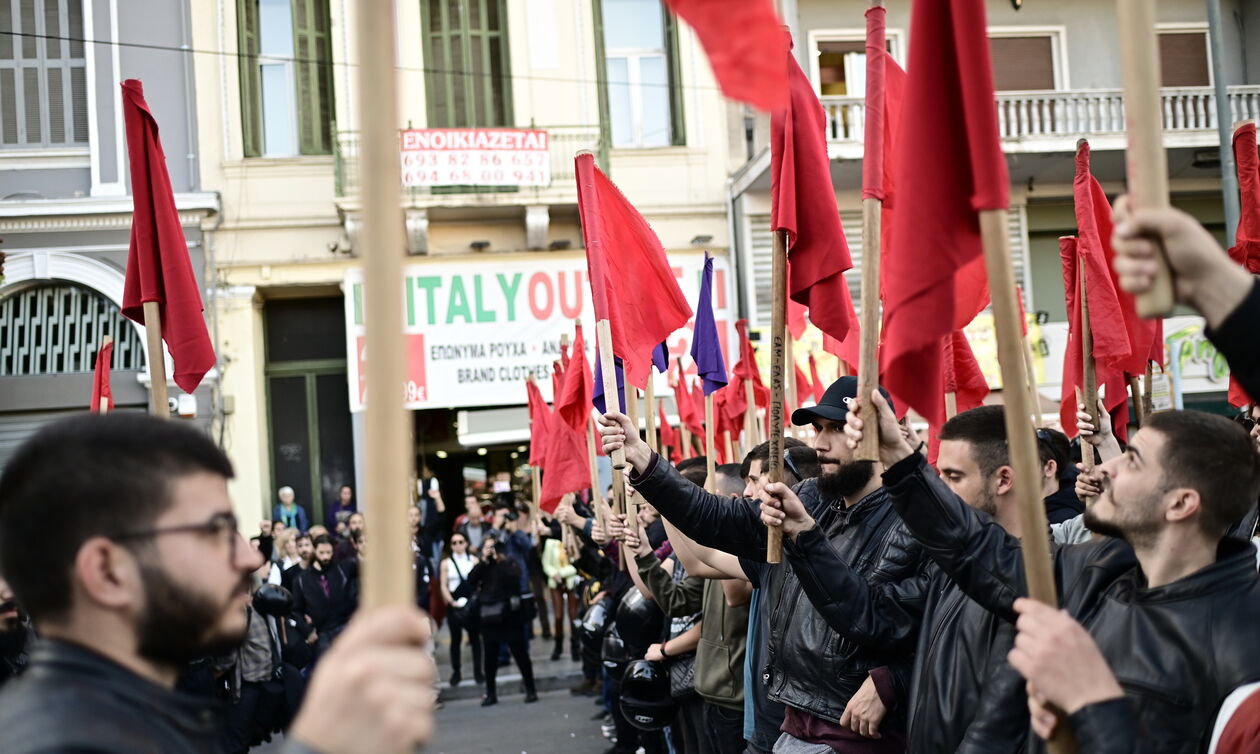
{"x": 221, "y": 525}
{"x": 1245, "y": 421}
{"x": 458, "y": 542}
{"x": 787, "y": 460}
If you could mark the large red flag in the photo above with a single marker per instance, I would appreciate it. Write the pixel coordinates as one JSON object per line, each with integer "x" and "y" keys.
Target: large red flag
{"x": 949, "y": 166}
{"x": 573, "y": 404}
{"x": 1246, "y": 248}
{"x": 100, "y": 380}
{"x": 632, "y": 285}
{"x": 568, "y": 468}
{"x": 539, "y": 425}
{"x": 803, "y": 203}
{"x": 158, "y": 266}
{"x": 745, "y": 44}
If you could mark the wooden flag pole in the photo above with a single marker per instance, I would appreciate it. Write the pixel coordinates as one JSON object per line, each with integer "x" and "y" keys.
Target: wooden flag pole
{"x": 649, "y": 412}
{"x": 1089, "y": 377}
{"x": 632, "y": 406}
{"x": 1087, "y": 458}
{"x": 1033, "y": 396}
{"x": 104, "y": 404}
{"x": 1019, "y": 430}
{"x": 1147, "y": 404}
{"x": 951, "y": 405}
{"x": 730, "y": 446}
{"x": 1139, "y": 407}
{"x": 868, "y": 360}
{"x": 157, "y": 361}
{"x": 710, "y": 449}
{"x": 608, "y": 367}
{"x": 1143, "y": 111}
{"x": 685, "y": 435}
{"x": 535, "y": 473}
{"x": 596, "y": 492}
{"x": 752, "y": 428}
{"x": 778, "y": 361}
{"x": 387, "y": 574}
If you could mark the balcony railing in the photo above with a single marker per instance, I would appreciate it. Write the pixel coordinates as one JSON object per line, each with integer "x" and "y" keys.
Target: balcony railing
{"x": 1070, "y": 114}
{"x": 563, "y": 143}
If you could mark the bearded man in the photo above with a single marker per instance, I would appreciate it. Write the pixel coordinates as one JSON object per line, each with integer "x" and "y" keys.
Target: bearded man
{"x": 118, "y": 537}
{"x": 838, "y": 696}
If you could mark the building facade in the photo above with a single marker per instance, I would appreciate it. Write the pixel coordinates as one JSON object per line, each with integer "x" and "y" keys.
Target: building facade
{"x": 65, "y": 204}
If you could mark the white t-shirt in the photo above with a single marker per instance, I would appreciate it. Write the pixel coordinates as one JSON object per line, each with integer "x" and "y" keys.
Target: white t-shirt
{"x": 465, "y": 563}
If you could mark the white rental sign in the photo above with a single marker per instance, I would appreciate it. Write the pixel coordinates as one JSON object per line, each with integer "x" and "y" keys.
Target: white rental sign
{"x": 476, "y": 330}
{"x": 475, "y": 156}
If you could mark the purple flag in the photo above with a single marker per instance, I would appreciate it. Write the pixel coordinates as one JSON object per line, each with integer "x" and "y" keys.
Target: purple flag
{"x": 706, "y": 349}
{"x": 660, "y": 358}
{"x": 598, "y": 398}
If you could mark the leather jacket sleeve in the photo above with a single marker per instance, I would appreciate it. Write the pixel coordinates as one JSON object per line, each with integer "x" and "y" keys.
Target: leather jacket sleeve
{"x": 973, "y": 549}
{"x": 998, "y": 722}
{"x": 676, "y": 599}
{"x": 723, "y": 523}
{"x": 1236, "y": 339}
{"x": 1105, "y": 728}
{"x": 884, "y": 616}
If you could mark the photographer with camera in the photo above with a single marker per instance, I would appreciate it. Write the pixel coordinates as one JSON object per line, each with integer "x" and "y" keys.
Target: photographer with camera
{"x": 497, "y": 582}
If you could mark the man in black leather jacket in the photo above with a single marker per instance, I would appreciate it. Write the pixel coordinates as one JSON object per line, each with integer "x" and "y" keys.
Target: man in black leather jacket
{"x": 819, "y": 675}
{"x": 118, "y": 537}
{"x": 965, "y": 697}
{"x": 1171, "y": 602}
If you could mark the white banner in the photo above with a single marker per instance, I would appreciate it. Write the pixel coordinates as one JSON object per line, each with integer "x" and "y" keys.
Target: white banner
{"x": 476, "y": 330}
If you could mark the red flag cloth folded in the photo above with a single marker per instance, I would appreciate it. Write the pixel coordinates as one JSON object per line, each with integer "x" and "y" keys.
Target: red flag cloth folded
{"x": 819, "y": 387}
{"x": 745, "y": 44}
{"x": 670, "y": 437}
{"x": 632, "y": 284}
{"x": 1246, "y": 248}
{"x": 1110, "y": 379}
{"x": 696, "y": 394}
{"x": 688, "y": 416}
{"x": 557, "y": 380}
{"x": 573, "y": 404}
{"x": 963, "y": 377}
{"x": 945, "y": 174}
{"x": 803, "y": 203}
{"x": 539, "y": 425}
{"x": 568, "y": 468}
{"x": 746, "y": 368}
{"x": 849, "y": 349}
{"x": 804, "y": 388}
{"x": 100, "y": 380}
{"x": 158, "y": 265}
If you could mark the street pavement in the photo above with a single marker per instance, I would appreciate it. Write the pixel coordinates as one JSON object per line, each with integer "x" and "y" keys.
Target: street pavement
{"x": 559, "y": 723}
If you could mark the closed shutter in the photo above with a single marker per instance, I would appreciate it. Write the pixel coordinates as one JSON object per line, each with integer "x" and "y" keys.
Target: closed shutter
{"x": 312, "y": 46}
{"x": 1183, "y": 59}
{"x": 1022, "y": 64}
{"x": 251, "y": 85}
{"x": 762, "y": 238}
{"x": 15, "y": 428}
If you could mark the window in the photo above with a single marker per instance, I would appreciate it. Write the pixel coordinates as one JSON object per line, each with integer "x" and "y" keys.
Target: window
{"x": 638, "y": 51}
{"x": 837, "y": 65}
{"x": 43, "y": 76}
{"x": 466, "y": 55}
{"x": 286, "y": 77}
{"x": 56, "y": 329}
{"x": 1023, "y": 63}
{"x": 1183, "y": 58}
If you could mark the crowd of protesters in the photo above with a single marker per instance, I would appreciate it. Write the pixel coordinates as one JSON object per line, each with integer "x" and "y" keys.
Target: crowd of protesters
{"x": 896, "y": 622}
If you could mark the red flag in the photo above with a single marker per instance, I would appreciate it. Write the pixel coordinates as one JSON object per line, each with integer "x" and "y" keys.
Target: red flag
{"x": 1023, "y": 316}
{"x": 100, "y": 380}
{"x": 746, "y": 368}
{"x": 696, "y": 393}
{"x": 158, "y": 266}
{"x": 963, "y": 377}
{"x": 819, "y": 387}
{"x": 946, "y": 172}
{"x": 1109, "y": 377}
{"x": 539, "y": 425}
{"x": 632, "y": 284}
{"x": 573, "y": 404}
{"x": 1246, "y": 248}
{"x": 568, "y": 469}
{"x": 804, "y": 388}
{"x": 557, "y": 380}
{"x": 849, "y": 349}
{"x": 803, "y": 203}
{"x": 670, "y": 437}
{"x": 745, "y": 45}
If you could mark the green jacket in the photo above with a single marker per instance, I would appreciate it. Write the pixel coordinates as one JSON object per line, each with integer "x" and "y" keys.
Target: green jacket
{"x": 723, "y": 633}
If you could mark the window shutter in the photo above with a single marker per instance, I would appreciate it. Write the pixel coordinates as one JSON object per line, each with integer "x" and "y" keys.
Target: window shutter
{"x": 251, "y": 85}
{"x": 1022, "y": 63}
{"x": 1183, "y": 59}
{"x": 313, "y": 49}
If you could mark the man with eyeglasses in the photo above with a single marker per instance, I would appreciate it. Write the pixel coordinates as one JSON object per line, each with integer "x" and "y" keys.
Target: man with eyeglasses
{"x": 117, "y": 535}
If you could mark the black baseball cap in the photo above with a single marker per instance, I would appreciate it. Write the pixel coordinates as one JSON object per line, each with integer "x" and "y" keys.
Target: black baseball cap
{"x": 835, "y": 403}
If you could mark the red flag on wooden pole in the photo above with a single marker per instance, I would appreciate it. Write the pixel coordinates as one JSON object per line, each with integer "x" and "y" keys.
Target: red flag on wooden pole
{"x": 1246, "y": 248}
{"x": 159, "y": 270}
{"x": 669, "y": 435}
{"x": 944, "y": 176}
{"x": 803, "y": 204}
{"x": 573, "y": 404}
{"x": 102, "y": 393}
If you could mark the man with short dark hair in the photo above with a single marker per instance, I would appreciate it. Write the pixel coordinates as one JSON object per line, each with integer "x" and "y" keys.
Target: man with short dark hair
{"x": 964, "y": 696}
{"x": 326, "y": 594}
{"x": 1171, "y": 602}
{"x": 139, "y": 569}
{"x": 729, "y": 480}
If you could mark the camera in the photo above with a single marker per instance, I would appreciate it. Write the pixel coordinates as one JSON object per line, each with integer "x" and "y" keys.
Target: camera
{"x": 506, "y": 501}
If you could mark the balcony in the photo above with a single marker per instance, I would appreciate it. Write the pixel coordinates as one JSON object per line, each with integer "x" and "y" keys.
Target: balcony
{"x": 1047, "y": 121}
{"x": 563, "y": 143}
